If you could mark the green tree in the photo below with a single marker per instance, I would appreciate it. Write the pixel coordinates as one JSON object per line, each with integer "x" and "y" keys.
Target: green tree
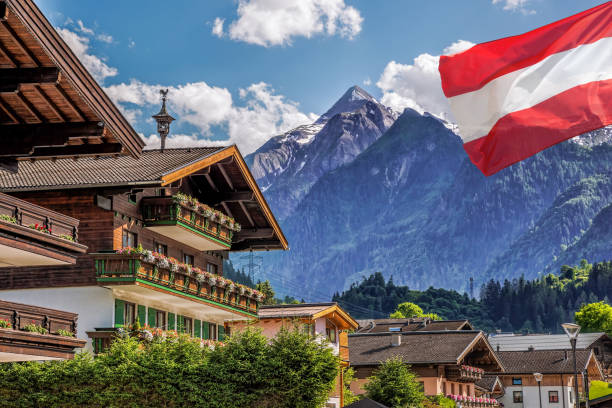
{"x": 266, "y": 288}
{"x": 394, "y": 385}
{"x": 408, "y": 309}
{"x": 595, "y": 317}
{"x": 348, "y": 377}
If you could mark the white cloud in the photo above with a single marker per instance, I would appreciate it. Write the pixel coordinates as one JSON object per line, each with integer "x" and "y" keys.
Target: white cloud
{"x": 418, "y": 86}
{"x": 153, "y": 141}
{"x": 515, "y": 5}
{"x": 80, "y": 46}
{"x": 131, "y": 44}
{"x": 262, "y": 114}
{"x": 367, "y": 82}
{"x": 107, "y": 38}
{"x": 84, "y": 29}
{"x": 217, "y": 29}
{"x": 277, "y": 22}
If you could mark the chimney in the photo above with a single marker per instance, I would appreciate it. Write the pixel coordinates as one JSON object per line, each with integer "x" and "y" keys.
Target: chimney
{"x": 498, "y": 348}
{"x": 396, "y": 339}
{"x": 531, "y": 348}
{"x": 565, "y": 355}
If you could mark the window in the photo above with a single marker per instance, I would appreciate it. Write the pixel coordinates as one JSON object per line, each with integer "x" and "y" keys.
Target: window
{"x": 161, "y": 249}
{"x": 211, "y": 268}
{"x": 160, "y": 319}
{"x": 330, "y": 332}
{"x": 132, "y": 198}
{"x": 129, "y": 239}
{"x": 129, "y": 313}
{"x": 553, "y": 396}
{"x": 517, "y": 397}
{"x": 212, "y": 331}
{"x": 596, "y": 350}
{"x": 188, "y": 259}
{"x": 517, "y": 381}
{"x": 395, "y": 329}
{"x": 188, "y": 325}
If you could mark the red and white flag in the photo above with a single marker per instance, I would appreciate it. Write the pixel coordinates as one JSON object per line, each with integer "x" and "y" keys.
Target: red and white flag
{"x": 519, "y": 95}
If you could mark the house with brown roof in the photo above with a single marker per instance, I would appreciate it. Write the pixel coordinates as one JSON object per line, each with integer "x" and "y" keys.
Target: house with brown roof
{"x": 446, "y": 362}
{"x": 411, "y": 324}
{"x": 556, "y": 387}
{"x": 157, "y": 230}
{"x": 328, "y": 321}
{"x": 50, "y": 108}
{"x": 490, "y": 386}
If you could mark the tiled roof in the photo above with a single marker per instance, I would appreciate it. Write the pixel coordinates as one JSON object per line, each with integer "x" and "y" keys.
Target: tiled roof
{"x": 365, "y": 403}
{"x": 542, "y": 341}
{"x": 89, "y": 171}
{"x": 487, "y": 382}
{"x": 416, "y": 347}
{"x": 297, "y": 310}
{"x": 407, "y": 325}
{"x": 543, "y": 361}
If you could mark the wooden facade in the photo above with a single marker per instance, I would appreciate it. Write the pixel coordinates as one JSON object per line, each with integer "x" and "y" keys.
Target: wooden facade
{"x": 50, "y": 106}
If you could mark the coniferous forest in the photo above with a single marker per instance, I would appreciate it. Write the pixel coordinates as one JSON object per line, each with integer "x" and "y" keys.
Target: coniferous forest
{"x": 521, "y": 305}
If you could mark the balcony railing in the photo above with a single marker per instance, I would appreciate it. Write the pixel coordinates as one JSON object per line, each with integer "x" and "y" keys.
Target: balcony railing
{"x": 474, "y": 402}
{"x": 46, "y": 234}
{"x": 146, "y": 267}
{"x": 465, "y": 373}
{"x": 36, "y": 331}
{"x": 214, "y": 229}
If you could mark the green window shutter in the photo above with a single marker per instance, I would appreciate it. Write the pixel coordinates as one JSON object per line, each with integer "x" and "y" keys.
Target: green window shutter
{"x": 119, "y": 308}
{"x": 197, "y": 332}
{"x": 180, "y": 324}
{"x": 205, "y": 330}
{"x": 171, "y": 321}
{"x": 142, "y": 315}
{"x": 221, "y": 332}
{"x": 151, "y": 314}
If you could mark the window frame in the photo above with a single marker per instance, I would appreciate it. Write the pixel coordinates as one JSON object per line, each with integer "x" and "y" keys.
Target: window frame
{"x": 552, "y": 393}
{"x": 214, "y": 268}
{"x": 188, "y": 325}
{"x": 125, "y": 239}
{"x": 129, "y": 318}
{"x": 516, "y": 394}
{"x": 186, "y": 258}
{"x": 162, "y": 314}
{"x": 163, "y": 247}
{"x": 212, "y": 331}
{"x": 517, "y": 381}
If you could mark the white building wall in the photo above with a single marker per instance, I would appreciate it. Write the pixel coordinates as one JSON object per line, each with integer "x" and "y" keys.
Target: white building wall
{"x": 531, "y": 397}
{"x": 94, "y": 304}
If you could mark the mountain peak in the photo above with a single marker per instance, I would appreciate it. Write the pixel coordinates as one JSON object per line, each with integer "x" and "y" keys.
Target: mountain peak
{"x": 353, "y": 99}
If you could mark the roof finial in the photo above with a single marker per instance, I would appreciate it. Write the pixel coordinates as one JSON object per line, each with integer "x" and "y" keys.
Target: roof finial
{"x": 163, "y": 119}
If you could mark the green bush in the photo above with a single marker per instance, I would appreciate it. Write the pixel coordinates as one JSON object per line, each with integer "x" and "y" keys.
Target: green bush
{"x": 395, "y": 385}
{"x": 249, "y": 371}
{"x": 34, "y": 328}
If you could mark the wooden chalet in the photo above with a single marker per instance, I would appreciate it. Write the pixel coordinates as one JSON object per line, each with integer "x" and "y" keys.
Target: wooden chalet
{"x": 325, "y": 320}
{"x": 157, "y": 230}
{"x": 446, "y": 362}
{"x": 50, "y": 106}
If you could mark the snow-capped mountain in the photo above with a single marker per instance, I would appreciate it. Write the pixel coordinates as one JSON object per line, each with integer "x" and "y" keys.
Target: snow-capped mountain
{"x": 289, "y": 164}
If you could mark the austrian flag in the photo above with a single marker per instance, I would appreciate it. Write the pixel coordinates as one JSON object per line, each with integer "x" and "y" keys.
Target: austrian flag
{"x": 519, "y": 95}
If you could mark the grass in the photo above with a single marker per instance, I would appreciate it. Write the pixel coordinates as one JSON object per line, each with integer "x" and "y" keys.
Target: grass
{"x": 599, "y": 389}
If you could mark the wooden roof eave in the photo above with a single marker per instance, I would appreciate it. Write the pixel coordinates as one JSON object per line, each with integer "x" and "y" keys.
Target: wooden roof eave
{"x": 76, "y": 74}
{"x": 471, "y": 346}
{"x": 349, "y": 322}
{"x": 231, "y": 151}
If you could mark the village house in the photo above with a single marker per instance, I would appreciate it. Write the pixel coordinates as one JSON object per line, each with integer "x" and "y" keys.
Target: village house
{"x": 548, "y": 375}
{"x": 600, "y": 343}
{"x": 490, "y": 386}
{"x": 50, "y": 108}
{"x": 328, "y": 321}
{"x": 411, "y": 324}
{"x": 446, "y": 362}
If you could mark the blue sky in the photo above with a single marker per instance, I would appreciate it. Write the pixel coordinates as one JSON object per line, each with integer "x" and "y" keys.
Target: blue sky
{"x": 288, "y": 72}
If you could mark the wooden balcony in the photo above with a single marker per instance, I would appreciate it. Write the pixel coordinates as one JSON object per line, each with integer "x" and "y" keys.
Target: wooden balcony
{"x": 145, "y": 276}
{"x": 464, "y": 373}
{"x": 33, "y": 333}
{"x": 186, "y": 224}
{"x": 31, "y": 235}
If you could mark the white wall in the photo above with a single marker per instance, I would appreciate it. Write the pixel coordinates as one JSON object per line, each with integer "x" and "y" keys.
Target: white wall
{"x": 94, "y": 304}
{"x": 531, "y": 397}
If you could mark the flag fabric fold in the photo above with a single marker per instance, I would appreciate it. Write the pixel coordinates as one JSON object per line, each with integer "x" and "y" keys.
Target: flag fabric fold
{"x": 519, "y": 95}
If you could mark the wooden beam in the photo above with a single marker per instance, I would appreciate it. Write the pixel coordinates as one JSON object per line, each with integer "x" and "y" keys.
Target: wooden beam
{"x": 56, "y": 110}
{"x": 211, "y": 182}
{"x": 77, "y": 150}
{"x": 9, "y": 111}
{"x": 263, "y": 243}
{"x": 258, "y": 233}
{"x": 31, "y": 108}
{"x": 70, "y": 103}
{"x": 14, "y": 63}
{"x": 247, "y": 213}
{"x": 19, "y": 42}
{"x": 22, "y": 139}
{"x": 227, "y": 210}
{"x": 12, "y": 78}
{"x": 230, "y": 197}
{"x": 225, "y": 176}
